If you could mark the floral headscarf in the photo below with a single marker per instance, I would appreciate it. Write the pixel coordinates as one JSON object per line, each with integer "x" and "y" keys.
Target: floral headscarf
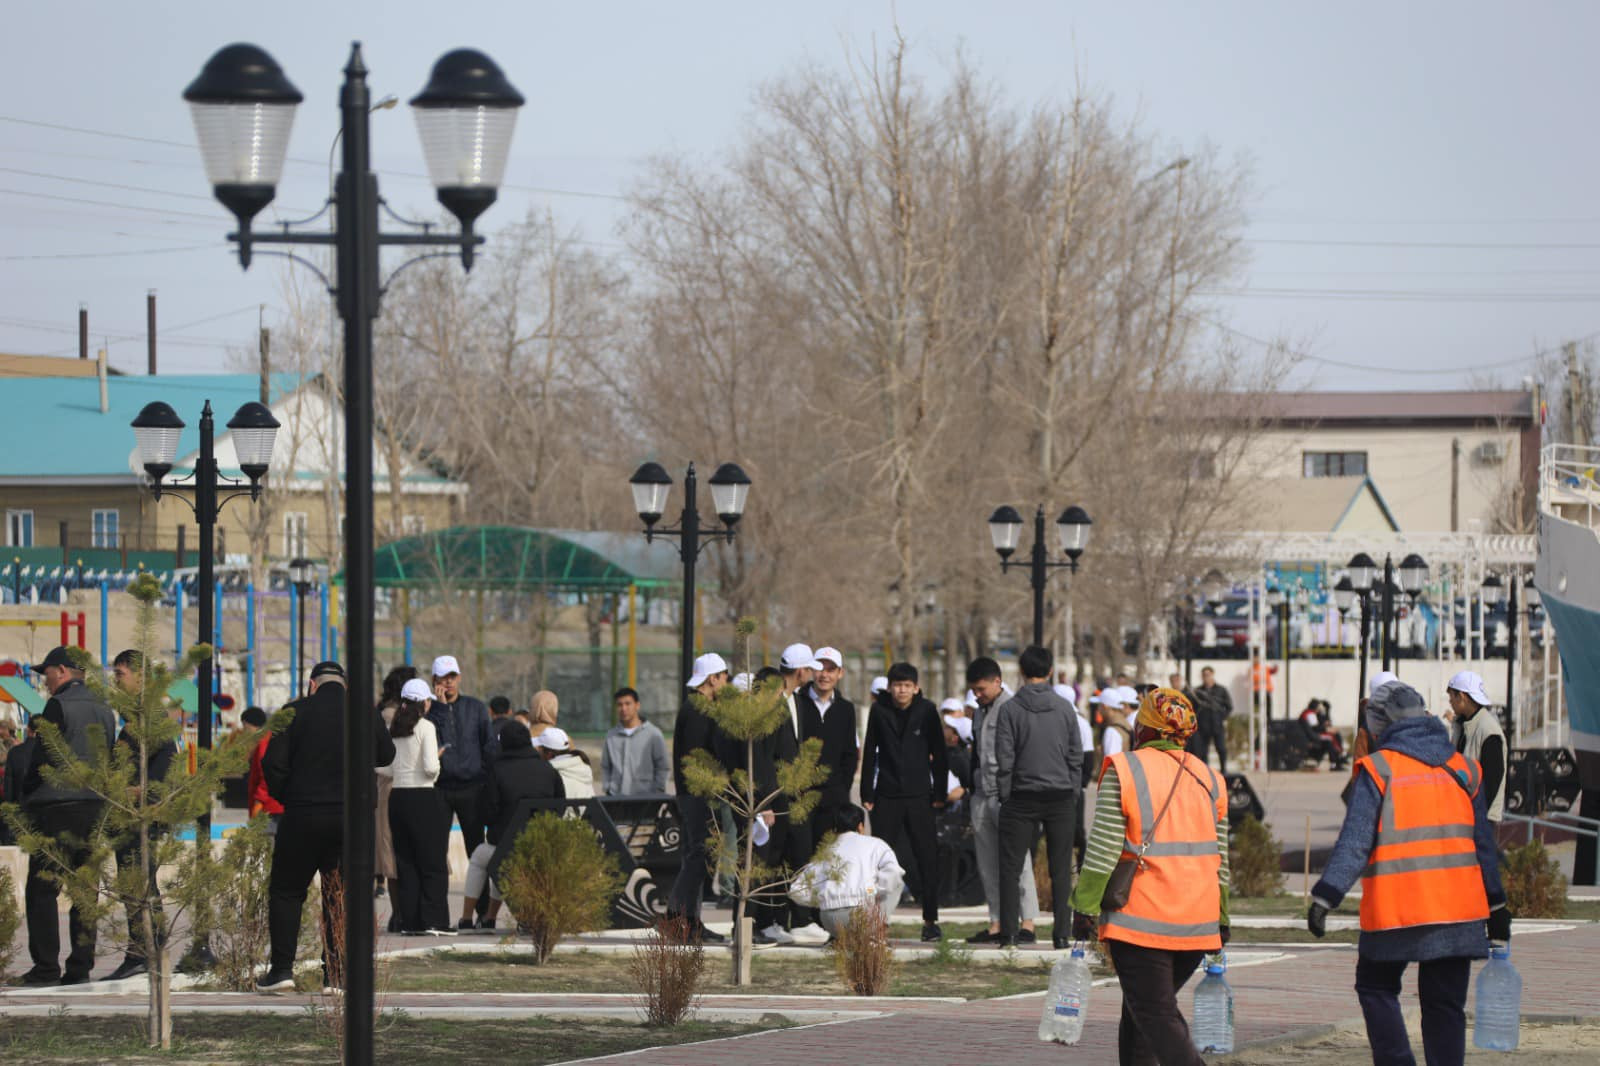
{"x": 1168, "y": 712}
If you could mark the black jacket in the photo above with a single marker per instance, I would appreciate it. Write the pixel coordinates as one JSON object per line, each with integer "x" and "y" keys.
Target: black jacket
{"x": 160, "y": 759}
{"x": 840, "y": 752}
{"x": 18, "y": 760}
{"x": 304, "y": 764}
{"x": 693, "y": 730}
{"x": 903, "y": 755}
{"x": 467, "y": 742}
{"x": 517, "y": 774}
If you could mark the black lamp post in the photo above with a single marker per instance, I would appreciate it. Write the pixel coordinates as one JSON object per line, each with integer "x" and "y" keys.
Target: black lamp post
{"x": 1359, "y": 576}
{"x": 1279, "y": 599}
{"x": 156, "y": 430}
{"x": 302, "y": 572}
{"x": 651, "y": 484}
{"x": 1493, "y": 590}
{"x": 1072, "y": 529}
{"x": 243, "y": 108}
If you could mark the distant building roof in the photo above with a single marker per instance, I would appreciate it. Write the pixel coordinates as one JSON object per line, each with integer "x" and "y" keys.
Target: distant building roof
{"x": 1348, "y": 408}
{"x": 1320, "y": 505}
{"x": 53, "y": 427}
{"x": 49, "y": 366}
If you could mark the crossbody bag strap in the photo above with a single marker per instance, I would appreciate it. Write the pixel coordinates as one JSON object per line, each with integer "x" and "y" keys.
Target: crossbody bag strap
{"x": 1150, "y": 834}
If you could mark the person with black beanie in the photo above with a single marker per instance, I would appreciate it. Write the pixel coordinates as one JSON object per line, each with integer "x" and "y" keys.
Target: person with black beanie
{"x": 519, "y": 773}
{"x": 903, "y": 775}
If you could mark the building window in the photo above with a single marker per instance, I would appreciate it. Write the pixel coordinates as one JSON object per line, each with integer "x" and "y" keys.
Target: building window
{"x": 412, "y": 525}
{"x": 295, "y": 524}
{"x": 105, "y": 529}
{"x": 19, "y": 529}
{"x": 1335, "y": 464}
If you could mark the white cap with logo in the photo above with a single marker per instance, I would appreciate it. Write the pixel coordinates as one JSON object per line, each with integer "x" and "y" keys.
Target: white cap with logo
{"x": 445, "y": 665}
{"x": 829, "y": 655}
{"x": 799, "y": 657}
{"x": 707, "y": 665}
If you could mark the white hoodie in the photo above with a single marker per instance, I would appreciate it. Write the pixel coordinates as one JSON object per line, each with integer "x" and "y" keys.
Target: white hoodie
{"x": 854, "y": 870}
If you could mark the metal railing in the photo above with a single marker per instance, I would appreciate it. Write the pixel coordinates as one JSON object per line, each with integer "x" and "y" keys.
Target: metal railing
{"x": 1585, "y": 827}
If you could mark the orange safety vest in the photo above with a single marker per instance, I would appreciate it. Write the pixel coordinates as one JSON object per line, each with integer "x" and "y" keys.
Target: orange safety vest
{"x": 1175, "y": 902}
{"x": 1261, "y": 676}
{"x": 1424, "y": 864}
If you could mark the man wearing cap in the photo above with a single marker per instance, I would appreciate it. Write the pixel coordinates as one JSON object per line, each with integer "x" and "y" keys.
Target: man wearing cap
{"x": 1478, "y": 736}
{"x": 304, "y": 769}
{"x": 903, "y": 777}
{"x": 989, "y": 695}
{"x": 826, "y": 715}
{"x": 467, "y": 747}
{"x": 790, "y": 842}
{"x": 66, "y": 813}
{"x": 695, "y": 731}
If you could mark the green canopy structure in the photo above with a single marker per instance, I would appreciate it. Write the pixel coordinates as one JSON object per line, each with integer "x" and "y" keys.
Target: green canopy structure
{"x": 519, "y": 557}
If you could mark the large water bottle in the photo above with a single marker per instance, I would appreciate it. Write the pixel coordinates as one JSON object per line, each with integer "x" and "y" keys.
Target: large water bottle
{"x": 1067, "y": 1002}
{"x": 1213, "y": 1008}
{"x": 1499, "y": 1003}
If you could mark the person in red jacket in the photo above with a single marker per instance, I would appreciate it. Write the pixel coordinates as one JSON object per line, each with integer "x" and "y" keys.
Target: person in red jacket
{"x": 260, "y": 799}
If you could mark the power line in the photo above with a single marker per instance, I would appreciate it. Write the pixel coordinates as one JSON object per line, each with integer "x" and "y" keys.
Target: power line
{"x": 1486, "y": 245}
{"x": 105, "y": 184}
{"x": 107, "y": 203}
{"x": 108, "y": 255}
{"x": 1406, "y": 296}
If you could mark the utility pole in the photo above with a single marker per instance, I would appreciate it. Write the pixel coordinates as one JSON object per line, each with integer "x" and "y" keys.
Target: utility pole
{"x": 1575, "y": 432}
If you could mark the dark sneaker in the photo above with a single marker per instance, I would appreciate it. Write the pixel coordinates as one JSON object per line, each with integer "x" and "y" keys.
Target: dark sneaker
{"x": 75, "y": 979}
{"x": 984, "y": 936}
{"x": 1027, "y": 936}
{"x": 761, "y": 940}
{"x": 36, "y": 977}
{"x": 129, "y": 968}
{"x": 276, "y": 982}
{"x": 485, "y": 925}
{"x": 466, "y": 925}
{"x": 710, "y": 936}
{"x": 931, "y": 932}
{"x": 198, "y": 959}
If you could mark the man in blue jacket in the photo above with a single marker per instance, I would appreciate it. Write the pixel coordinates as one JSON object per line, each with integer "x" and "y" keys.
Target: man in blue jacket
{"x": 467, "y": 747}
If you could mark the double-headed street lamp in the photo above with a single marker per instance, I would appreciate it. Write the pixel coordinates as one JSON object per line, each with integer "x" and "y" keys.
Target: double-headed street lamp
{"x": 1072, "y": 531}
{"x": 1493, "y": 591}
{"x": 302, "y": 575}
{"x": 1190, "y": 601}
{"x": 651, "y": 485}
{"x": 243, "y": 108}
{"x": 1360, "y": 575}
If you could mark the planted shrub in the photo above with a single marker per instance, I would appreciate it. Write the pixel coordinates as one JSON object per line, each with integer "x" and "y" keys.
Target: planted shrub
{"x": 558, "y": 881}
{"x": 1256, "y": 860}
{"x": 862, "y": 953}
{"x": 10, "y": 919}
{"x": 1535, "y": 886}
{"x": 239, "y": 933}
{"x": 666, "y": 969}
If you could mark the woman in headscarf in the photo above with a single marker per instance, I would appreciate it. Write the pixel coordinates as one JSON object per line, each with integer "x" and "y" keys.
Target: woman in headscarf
{"x": 545, "y": 709}
{"x": 1417, "y": 834}
{"x": 1165, "y": 812}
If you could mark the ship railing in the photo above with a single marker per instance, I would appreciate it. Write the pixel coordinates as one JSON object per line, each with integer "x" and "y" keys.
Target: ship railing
{"x": 1569, "y": 482}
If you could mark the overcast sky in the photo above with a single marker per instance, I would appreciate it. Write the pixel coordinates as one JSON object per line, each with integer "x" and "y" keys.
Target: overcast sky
{"x": 1423, "y": 172}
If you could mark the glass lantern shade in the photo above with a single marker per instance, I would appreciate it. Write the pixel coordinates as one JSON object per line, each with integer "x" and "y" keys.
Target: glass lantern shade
{"x": 302, "y": 571}
{"x": 651, "y": 485}
{"x": 1213, "y": 586}
{"x": 1344, "y": 594}
{"x": 1005, "y": 530}
{"x": 1493, "y": 591}
{"x": 155, "y": 432}
{"x": 730, "y": 486}
{"x": 465, "y": 117}
{"x": 243, "y": 143}
{"x": 1413, "y": 573}
{"x": 1073, "y": 528}
{"x": 1530, "y": 593}
{"x": 253, "y": 430}
{"x": 1363, "y": 572}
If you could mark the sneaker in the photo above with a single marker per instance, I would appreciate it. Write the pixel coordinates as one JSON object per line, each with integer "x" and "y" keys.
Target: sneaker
{"x": 1027, "y": 936}
{"x": 984, "y": 936}
{"x": 707, "y": 935}
{"x": 466, "y": 925}
{"x": 36, "y": 977}
{"x": 129, "y": 968}
{"x": 811, "y": 933}
{"x": 778, "y": 934}
{"x": 276, "y": 982}
{"x": 443, "y": 930}
{"x": 758, "y": 939}
{"x": 931, "y": 932}
{"x": 485, "y": 925}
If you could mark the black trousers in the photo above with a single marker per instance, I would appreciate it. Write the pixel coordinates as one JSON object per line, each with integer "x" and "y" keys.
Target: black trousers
{"x": 1021, "y": 817}
{"x": 74, "y": 819}
{"x": 790, "y": 845}
{"x": 1211, "y": 732}
{"x": 127, "y": 857}
{"x": 1080, "y": 840}
{"x": 906, "y": 823}
{"x": 1152, "y": 1030}
{"x": 1442, "y": 987}
{"x": 465, "y": 805}
{"x": 419, "y": 825}
{"x": 695, "y": 815}
{"x": 310, "y": 841}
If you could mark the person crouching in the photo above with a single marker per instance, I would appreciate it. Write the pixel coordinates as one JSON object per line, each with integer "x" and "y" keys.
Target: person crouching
{"x": 856, "y": 870}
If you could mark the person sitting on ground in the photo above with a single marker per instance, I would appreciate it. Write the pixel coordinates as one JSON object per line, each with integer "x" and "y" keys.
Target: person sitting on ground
{"x": 517, "y": 775}
{"x": 856, "y": 870}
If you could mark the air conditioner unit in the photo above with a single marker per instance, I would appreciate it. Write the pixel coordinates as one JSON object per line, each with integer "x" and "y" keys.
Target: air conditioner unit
{"x": 1492, "y": 451}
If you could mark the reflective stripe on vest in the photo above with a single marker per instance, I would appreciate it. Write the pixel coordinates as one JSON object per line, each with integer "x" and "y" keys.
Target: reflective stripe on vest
{"x": 1424, "y": 868}
{"x": 1173, "y": 903}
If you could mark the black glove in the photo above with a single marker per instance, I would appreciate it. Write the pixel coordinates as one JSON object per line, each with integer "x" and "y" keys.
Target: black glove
{"x": 1227, "y": 934}
{"x": 1500, "y": 925}
{"x": 1317, "y": 920}
{"x": 1082, "y": 926}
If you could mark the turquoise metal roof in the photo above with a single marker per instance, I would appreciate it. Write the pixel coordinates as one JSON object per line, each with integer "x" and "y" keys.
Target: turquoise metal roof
{"x": 53, "y": 427}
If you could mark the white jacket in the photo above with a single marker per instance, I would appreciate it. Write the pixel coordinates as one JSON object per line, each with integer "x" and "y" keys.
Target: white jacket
{"x": 576, "y": 776}
{"x": 416, "y": 758}
{"x": 855, "y": 869}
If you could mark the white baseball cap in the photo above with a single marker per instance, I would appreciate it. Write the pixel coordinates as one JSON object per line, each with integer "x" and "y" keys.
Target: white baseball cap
{"x": 742, "y": 682}
{"x": 1470, "y": 683}
{"x": 708, "y": 664}
{"x": 1103, "y": 696}
{"x": 829, "y": 655}
{"x": 554, "y": 738}
{"x": 961, "y": 724}
{"x": 1066, "y": 693}
{"x": 951, "y": 704}
{"x": 799, "y": 657}
{"x": 1380, "y": 679}
{"x": 971, "y": 700}
{"x": 1128, "y": 695}
{"x": 880, "y": 684}
{"x": 416, "y": 689}
{"x": 445, "y": 665}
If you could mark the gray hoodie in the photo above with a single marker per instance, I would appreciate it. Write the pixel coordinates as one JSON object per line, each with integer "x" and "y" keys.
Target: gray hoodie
{"x": 1037, "y": 744}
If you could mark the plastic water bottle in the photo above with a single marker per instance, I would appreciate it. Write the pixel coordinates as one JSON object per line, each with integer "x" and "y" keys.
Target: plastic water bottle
{"x": 1067, "y": 1002}
{"x": 1213, "y": 1008}
{"x": 1499, "y": 1003}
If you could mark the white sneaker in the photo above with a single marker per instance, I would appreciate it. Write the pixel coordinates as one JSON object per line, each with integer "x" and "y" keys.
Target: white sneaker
{"x": 811, "y": 933}
{"x": 779, "y": 933}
